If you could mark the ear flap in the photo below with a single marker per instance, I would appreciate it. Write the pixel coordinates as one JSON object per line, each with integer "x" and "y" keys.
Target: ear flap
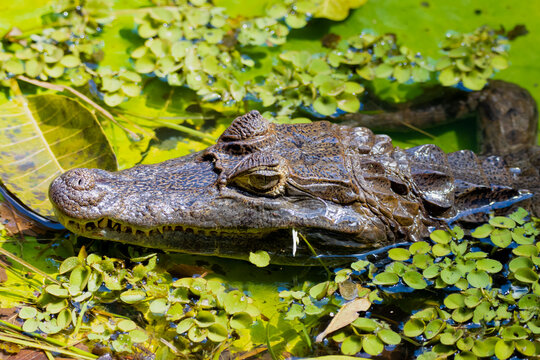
{"x": 431, "y": 177}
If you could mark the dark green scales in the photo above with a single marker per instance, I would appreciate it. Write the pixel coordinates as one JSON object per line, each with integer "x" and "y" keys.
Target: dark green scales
{"x": 345, "y": 189}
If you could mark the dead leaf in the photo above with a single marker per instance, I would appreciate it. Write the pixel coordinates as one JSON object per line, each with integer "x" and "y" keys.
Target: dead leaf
{"x": 346, "y": 315}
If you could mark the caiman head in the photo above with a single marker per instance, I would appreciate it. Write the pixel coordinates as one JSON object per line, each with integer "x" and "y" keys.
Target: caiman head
{"x": 338, "y": 187}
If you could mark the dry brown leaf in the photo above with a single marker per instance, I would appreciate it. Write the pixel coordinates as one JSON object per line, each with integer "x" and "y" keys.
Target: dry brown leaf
{"x": 346, "y": 315}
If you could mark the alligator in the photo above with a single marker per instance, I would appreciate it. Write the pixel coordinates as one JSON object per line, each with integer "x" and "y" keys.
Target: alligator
{"x": 344, "y": 189}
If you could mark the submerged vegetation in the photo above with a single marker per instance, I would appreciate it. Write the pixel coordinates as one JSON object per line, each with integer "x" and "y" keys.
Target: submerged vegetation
{"x": 181, "y": 63}
{"x": 472, "y": 297}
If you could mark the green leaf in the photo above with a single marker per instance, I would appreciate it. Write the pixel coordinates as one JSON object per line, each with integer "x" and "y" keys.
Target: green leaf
{"x": 474, "y": 80}
{"x": 402, "y": 73}
{"x": 196, "y": 334}
{"x": 465, "y": 344}
{"x": 70, "y": 61}
{"x": 295, "y": 20}
{"x": 479, "y": 279}
{"x": 259, "y": 258}
{"x": 241, "y": 320}
{"x": 138, "y": 336}
{"x": 449, "y": 77}
{"x": 433, "y": 328}
{"x": 419, "y": 247}
{"x": 69, "y": 264}
{"x": 14, "y": 66}
{"x": 30, "y": 325}
{"x": 419, "y": 74}
{"x": 502, "y": 222}
{"x": 57, "y": 291}
{"x": 520, "y": 262}
{"x": 234, "y": 302}
{"x": 441, "y": 250}
{"x": 499, "y": 62}
{"x": 184, "y": 325}
{"x": 205, "y": 319}
{"x": 431, "y": 271}
{"x": 413, "y": 328}
{"x": 365, "y": 324}
{"x": 159, "y": 306}
{"x": 504, "y": 349}
{"x": 525, "y": 347}
{"x": 386, "y": 278}
{"x": 389, "y": 337}
{"x": 372, "y": 345}
{"x": 295, "y": 312}
{"x": 28, "y": 312}
{"x": 113, "y": 99}
{"x": 384, "y": 71}
{"x": 519, "y": 215}
{"x": 501, "y": 237}
{"x": 454, "y": 301}
{"x": 145, "y": 64}
{"x": 399, "y": 254}
{"x": 126, "y": 325}
{"x": 336, "y": 10}
{"x": 450, "y": 275}
{"x": 450, "y": 336}
{"x": 133, "y": 296}
{"x": 217, "y": 333}
{"x": 489, "y": 265}
{"x": 29, "y": 168}
{"x": 415, "y": 280}
{"x": 462, "y": 314}
{"x": 526, "y": 250}
{"x": 482, "y": 232}
{"x": 325, "y": 105}
{"x": 485, "y": 348}
{"x": 440, "y": 236}
{"x": 526, "y": 275}
{"x": 351, "y": 345}
{"x": 348, "y": 103}
{"x": 465, "y": 355}
{"x": 518, "y": 235}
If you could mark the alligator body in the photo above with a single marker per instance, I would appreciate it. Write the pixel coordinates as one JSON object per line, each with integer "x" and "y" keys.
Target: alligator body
{"x": 346, "y": 190}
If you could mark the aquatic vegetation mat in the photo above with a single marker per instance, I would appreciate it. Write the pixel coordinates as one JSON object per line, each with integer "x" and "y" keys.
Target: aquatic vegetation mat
{"x": 471, "y": 296}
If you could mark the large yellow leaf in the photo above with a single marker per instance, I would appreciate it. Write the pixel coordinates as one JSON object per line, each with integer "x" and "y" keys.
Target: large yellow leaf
{"x": 42, "y": 136}
{"x": 337, "y": 10}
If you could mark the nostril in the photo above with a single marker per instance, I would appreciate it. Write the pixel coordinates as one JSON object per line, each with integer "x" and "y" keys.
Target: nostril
{"x": 80, "y": 179}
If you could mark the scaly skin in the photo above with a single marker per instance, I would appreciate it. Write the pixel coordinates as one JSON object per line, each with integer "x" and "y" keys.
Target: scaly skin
{"x": 345, "y": 189}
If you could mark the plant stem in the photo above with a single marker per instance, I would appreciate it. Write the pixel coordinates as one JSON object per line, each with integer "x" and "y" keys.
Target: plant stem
{"x": 76, "y": 355}
{"x": 27, "y": 265}
{"x": 48, "y": 339}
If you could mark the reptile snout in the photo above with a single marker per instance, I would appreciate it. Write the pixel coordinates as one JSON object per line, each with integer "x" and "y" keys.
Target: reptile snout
{"x": 75, "y": 191}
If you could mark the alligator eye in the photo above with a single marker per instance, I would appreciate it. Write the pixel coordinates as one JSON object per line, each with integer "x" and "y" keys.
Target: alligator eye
{"x": 261, "y": 181}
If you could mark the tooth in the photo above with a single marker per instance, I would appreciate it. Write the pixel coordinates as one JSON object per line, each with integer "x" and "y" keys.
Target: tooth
{"x": 147, "y": 232}
{"x": 123, "y": 228}
{"x": 134, "y": 231}
{"x": 102, "y": 223}
{"x": 160, "y": 229}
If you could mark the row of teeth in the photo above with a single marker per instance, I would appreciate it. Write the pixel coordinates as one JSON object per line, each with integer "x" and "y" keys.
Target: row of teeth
{"x": 112, "y": 225}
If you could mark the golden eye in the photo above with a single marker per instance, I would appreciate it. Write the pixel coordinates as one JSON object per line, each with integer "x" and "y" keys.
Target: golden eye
{"x": 261, "y": 181}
